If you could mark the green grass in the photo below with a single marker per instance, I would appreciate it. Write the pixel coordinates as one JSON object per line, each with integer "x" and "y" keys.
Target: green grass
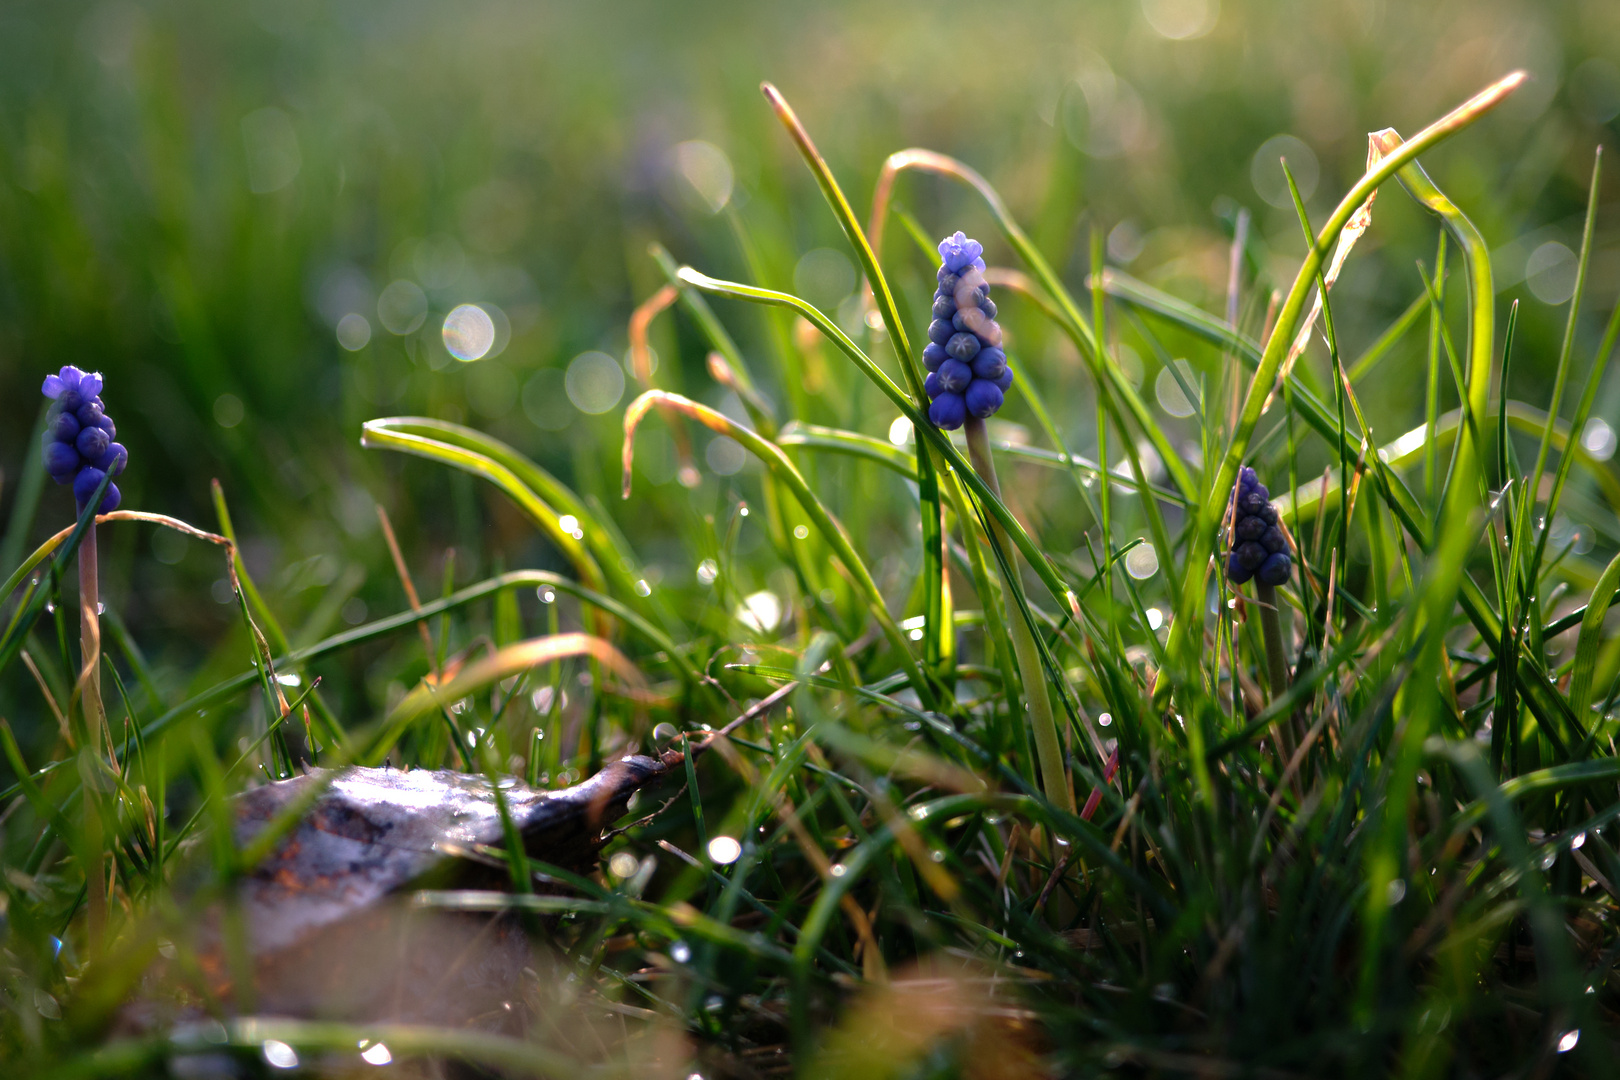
{"x": 1423, "y": 883}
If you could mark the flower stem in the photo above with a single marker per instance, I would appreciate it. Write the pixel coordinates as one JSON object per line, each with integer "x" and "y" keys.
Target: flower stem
{"x": 1276, "y": 657}
{"x": 1048, "y": 750}
{"x": 94, "y": 722}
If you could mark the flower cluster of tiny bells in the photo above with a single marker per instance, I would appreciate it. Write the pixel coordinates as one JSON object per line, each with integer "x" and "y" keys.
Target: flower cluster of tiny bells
{"x": 79, "y": 446}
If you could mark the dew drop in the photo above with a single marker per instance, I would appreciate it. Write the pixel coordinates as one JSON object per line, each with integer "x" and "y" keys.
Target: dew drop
{"x": 279, "y": 1055}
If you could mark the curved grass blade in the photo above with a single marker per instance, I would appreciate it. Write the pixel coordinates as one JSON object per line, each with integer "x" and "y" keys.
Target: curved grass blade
{"x": 1187, "y": 629}
{"x": 919, "y": 422}
{"x": 443, "y": 443}
{"x": 772, "y": 457}
{"x": 502, "y": 664}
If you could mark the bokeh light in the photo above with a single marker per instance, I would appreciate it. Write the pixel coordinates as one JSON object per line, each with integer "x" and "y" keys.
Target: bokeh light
{"x": 595, "y": 382}
{"x": 402, "y": 307}
{"x": 469, "y": 332}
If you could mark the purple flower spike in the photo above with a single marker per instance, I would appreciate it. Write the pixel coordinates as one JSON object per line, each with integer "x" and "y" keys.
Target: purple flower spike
{"x": 79, "y": 446}
{"x": 964, "y": 353}
{"x": 1259, "y": 548}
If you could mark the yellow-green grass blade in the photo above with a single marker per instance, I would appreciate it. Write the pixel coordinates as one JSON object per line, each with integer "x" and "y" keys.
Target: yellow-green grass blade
{"x": 783, "y": 469}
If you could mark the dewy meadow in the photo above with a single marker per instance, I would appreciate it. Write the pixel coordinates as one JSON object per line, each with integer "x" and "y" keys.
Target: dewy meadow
{"x": 896, "y": 612}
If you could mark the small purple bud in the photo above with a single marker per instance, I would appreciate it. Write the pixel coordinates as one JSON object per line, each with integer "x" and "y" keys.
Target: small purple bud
{"x": 90, "y": 384}
{"x": 940, "y": 331}
{"x": 85, "y": 484}
{"x": 1249, "y": 527}
{"x": 948, "y": 411}
{"x": 114, "y": 460}
{"x": 1236, "y": 571}
{"x": 1275, "y": 570}
{"x": 61, "y": 461}
{"x": 1273, "y": 540}
{"x": 69, "y": 400}
{"x": 962, "y": 346}
{"x": 64, "y": 427}
{"x": 955, "y": 376}
{"x": 934, "y": 355}
{"x": 983, "y": 398}
{"x": 89, "y": 414}
{"x": 1250, "y": 554}
{"x": 70, "y": 377}
{"x": 989, "y": 363}
{"x": 932, "y": 386}
{"x": 53, "y": 387}
{"x": 944, "y": 307}
{"x": 92, "y": 443}
{"x": 1006, "y": 379}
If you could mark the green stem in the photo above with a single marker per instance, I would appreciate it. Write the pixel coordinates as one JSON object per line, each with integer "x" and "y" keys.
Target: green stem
{"x": 94, "y": 721}
{"x": 1276, "y": 657}
{"x": 1048, "y": 750}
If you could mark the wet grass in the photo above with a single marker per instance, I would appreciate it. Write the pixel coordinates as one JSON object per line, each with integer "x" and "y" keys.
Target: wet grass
{"x": 1012, "y": 778}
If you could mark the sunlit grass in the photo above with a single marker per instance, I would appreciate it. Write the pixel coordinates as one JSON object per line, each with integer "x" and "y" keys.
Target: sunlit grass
{"x": 1011, "y": 773}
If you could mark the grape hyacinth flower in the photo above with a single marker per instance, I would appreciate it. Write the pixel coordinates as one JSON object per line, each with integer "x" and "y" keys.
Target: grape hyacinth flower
{"x": 79, "y": 446}
{"x": 1259, "y": 549}
{"x": 967, "y": 369}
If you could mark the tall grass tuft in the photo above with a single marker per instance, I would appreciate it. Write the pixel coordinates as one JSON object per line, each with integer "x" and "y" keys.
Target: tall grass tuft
{"x": 959, "y": 783}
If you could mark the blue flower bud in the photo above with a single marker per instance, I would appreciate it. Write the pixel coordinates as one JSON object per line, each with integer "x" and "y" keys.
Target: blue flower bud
{"x": 89, "y": 414}
{"x": 1249, "y": 528}
{"x": 106, "y": 424}
{"x": 92, "y": 443}
{"x": 989, "y": 363}
{"x": 1236, "y": 571}
{"x": 932, "y": 386}
{"x": 988, "y": 306}
{"x": 934, "y": 355}
{"x": 1275, "y": 570}
{"x": 85, "y": 484}
{"x": 1250, "y": 554}
{"x": 61, "y": 461}
{"x": 955, "y": 376}
{"x": 940, "y": 331}
{"x": 947, "y": 282}
{"x": 944, "y": 307}
{"x": 1005, "y": 380}
{"x": 64, "y": 427}
{"x": 948, "y": 411}
{"x": 963, "y": 346}
{"x": 114, "y": 460}
{"x": 983, "y": 398}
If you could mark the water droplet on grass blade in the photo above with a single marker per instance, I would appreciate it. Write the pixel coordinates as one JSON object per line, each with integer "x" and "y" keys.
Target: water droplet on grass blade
{"x": 278, "y": 1055}
{"x": 724, "y": 850}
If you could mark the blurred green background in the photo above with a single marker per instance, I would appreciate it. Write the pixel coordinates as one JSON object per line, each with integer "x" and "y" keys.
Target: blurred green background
{"x": 256, "y": 218}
